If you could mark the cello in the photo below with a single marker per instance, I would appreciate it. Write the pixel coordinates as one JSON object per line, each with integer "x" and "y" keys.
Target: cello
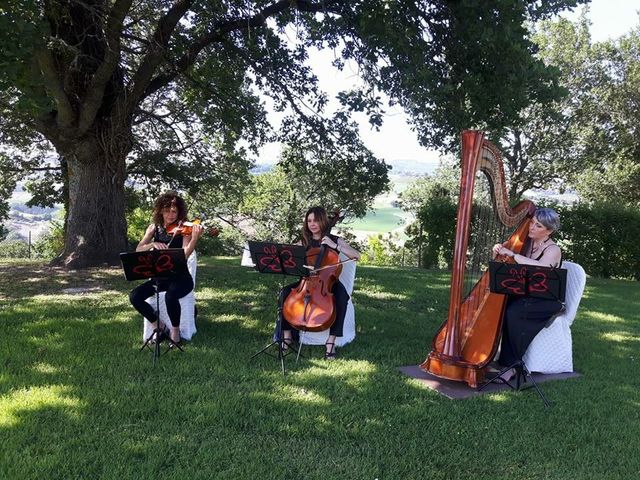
{"x": 311, "y": 306}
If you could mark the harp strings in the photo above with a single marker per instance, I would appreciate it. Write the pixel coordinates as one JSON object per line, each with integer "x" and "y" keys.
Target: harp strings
{"x": 486, "y": 231}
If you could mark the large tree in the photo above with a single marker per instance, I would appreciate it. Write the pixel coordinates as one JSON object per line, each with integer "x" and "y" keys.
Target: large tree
{"x": 121, "y": 87}
{"x": 543, "y": 146}
{"x": 612, "y": 173}
{"x": 589, "y": 137}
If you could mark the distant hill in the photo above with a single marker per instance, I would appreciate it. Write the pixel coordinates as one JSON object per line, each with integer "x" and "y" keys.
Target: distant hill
{"x": 398, "y": 167}
{"x": 24, "y": 220}
{"x": 413, "y": 167}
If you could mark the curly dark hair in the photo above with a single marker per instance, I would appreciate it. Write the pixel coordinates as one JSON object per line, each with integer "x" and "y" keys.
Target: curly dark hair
{"x": 167, "y": 200}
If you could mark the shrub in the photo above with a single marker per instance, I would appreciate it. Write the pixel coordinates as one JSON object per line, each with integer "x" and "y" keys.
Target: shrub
{"x": 14, "y": 249}
{"x": 437, "y": 217}
{"x": 51, "y": 244}
{"x": 382, "y": 250}
{"x": 603, "y": 238}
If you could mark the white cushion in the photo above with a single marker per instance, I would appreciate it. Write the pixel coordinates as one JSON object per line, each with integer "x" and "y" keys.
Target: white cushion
{"x": 187, "y": 307}
{"x": 347, "y": 278}
{"x": 551, "y": 350}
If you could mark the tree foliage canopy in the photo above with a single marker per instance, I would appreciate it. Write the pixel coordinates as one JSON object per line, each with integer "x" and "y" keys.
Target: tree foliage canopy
{"x": 587, "y": 138}
{"x": 126, "y": 90}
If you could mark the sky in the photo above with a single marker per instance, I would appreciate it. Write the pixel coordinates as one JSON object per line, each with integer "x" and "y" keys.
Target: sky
{"x": 395, "y": 141}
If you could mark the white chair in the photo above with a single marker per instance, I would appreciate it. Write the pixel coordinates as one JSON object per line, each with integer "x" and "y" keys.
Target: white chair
{"x": 551, "y": 350}
{"x": 347, "y": 277}
{"x": 187, "y": 307}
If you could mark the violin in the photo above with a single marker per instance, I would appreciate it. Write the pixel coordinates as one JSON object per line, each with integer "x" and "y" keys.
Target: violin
{"x": 311, "y": 305}
{"x": 186, "y": 228}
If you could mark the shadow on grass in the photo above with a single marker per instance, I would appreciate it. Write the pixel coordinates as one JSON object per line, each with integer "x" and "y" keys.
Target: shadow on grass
{"x": 79, "y": 401}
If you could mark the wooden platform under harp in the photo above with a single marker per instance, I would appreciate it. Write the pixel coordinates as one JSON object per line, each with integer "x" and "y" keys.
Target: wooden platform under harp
{"x": 467, "y": 341}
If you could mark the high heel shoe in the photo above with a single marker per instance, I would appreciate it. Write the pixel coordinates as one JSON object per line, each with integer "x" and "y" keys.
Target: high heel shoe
{"x": 174, "y": 336}
{"x": 330, "y": 352}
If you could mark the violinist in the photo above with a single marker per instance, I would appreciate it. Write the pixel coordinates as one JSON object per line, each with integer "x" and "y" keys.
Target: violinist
{"x": 315, "y": 233}
{"x": 524, "y": 317}
{"x": 169, "y": 213}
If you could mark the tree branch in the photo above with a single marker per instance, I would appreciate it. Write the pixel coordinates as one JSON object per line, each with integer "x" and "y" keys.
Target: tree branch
{"x": 95, "y": 92}
{"x": 157, "y": 49}
{"x": 66, "y": 114}
{"x": 33, "y": 169}
{"x": 219, "y": 32}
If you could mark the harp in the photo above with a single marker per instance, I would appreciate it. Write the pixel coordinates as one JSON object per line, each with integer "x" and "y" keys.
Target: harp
{"x": 467, "y": 341}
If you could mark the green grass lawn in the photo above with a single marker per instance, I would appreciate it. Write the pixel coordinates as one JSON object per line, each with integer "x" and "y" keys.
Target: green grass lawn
{"x": 78, "y": 400}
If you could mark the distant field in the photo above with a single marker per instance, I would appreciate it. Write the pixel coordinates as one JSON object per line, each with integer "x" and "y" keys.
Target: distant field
{"x": 401, "y": 182}
{"x": 382, "y": 219}
{"x": 385, "y": 218}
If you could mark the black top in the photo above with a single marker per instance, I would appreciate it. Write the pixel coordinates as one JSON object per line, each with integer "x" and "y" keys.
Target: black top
{"x": 317, "y": 243}
{"x": 161, "y": 235}
{"x": 529, "y": 246}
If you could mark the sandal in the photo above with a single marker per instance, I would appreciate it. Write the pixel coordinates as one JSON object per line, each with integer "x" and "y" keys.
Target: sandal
{"x": 286, "y": 342}
{"x": 172, "y": 334}
{"x": 330, "y": 353}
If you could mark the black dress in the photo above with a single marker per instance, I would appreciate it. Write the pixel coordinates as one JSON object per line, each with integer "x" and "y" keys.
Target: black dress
{"x": 523, "y": 319}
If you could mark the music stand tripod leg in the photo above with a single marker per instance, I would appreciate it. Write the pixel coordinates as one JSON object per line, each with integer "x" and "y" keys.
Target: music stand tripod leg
{"x": 156, "y": 334}
{"x": 498, "y": 378}
{"x": 524, "y": 373}
{"x": 158, "y": 330}
{"x": 277, "y": 342}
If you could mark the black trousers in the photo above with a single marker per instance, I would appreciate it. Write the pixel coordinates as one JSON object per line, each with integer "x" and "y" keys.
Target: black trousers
{"x": 341, "y": 297}
{"x": 175, "y": 290}
{"x": 523, "y": 319}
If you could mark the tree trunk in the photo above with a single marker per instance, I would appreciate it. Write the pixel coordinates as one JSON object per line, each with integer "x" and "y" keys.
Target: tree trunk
{"x": 96, "y": 226}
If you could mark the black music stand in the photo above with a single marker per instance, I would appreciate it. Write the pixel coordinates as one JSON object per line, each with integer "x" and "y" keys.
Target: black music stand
{"x": 530, "y": 281}
{"x": 156, "y": 265}
{"x": 285, "y": 260}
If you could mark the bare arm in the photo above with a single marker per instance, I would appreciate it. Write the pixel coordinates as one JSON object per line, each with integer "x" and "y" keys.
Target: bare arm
{"x": 550, "y": 258}
{"x": 147, "y": 242}
{"x": 342, "y": 247}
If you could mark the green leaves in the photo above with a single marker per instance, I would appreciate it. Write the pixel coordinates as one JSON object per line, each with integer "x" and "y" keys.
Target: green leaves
{"x": 179, "y": 95}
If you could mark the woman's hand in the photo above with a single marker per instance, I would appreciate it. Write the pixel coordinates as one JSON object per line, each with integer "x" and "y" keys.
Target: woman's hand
{"x": 505, "y": 251}
{"x": 329, "y": 243}
{"x": 197, "y": 231}
{"x": 158, "y": 246}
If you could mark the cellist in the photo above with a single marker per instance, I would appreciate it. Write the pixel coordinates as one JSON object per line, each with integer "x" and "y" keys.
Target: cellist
{"x": 315, "y": 233}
